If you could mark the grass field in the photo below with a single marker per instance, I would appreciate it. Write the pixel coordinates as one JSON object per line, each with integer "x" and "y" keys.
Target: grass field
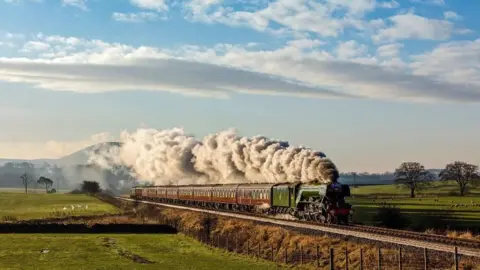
{"x": 116, "y": 252}
{"x": 437, "y": 200}
{"x": 40, "y": 190}
{"x": 437, "y": 189}
{"x": 34, "y": 206}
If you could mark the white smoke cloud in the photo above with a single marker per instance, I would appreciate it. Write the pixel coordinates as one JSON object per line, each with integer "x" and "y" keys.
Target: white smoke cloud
{"x": 173, "y": 157}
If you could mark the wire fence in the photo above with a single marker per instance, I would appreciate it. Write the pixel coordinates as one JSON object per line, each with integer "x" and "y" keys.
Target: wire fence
{"x": 321, "y": 257}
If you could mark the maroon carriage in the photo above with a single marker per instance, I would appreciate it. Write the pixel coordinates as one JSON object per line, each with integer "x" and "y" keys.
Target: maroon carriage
{"x": 185, "y": 193}
{"x": 254, "y": 195}
{"x": 225, "y": 194}
{"x": 202, "y": 194}
{"x": 171, "y": 193}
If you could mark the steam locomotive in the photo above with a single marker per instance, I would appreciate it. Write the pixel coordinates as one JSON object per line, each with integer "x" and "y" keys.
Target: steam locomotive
{"x": 323, "y": 203}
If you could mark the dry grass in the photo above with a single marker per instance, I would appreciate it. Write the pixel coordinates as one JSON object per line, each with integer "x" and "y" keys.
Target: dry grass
{"x": 246, "y": 236}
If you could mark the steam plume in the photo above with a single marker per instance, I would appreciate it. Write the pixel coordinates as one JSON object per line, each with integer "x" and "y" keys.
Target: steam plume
{"x": 173, "y": 157}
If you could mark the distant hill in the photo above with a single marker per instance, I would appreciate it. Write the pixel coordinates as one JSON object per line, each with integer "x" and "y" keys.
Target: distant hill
{"x": 77, "y": 158}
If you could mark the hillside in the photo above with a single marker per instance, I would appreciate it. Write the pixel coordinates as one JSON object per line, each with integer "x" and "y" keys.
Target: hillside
{"x": 77, "y": 158}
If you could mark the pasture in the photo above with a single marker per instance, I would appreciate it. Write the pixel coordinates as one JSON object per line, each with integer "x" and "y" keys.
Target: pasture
{"x": 38, "y": 190}
{"x": 20, "y": 206}
{"x": 126, "y": 251}
{"x": 436, "y": 201}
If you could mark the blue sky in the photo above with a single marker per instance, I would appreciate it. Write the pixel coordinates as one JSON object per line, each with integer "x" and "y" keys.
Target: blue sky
{"x": 370, "y": 83}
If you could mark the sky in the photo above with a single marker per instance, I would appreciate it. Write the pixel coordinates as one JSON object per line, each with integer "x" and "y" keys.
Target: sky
{"x": 370, "y": 83}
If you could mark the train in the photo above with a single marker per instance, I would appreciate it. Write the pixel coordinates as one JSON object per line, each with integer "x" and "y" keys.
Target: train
{"x": 322, "y": 203}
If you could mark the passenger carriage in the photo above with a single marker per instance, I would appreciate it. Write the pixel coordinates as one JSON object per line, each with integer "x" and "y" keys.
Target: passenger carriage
{"x": 251, "y": 196}
{"x": 224, "y": 196}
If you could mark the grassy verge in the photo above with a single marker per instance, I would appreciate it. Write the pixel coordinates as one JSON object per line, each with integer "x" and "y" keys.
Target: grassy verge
{"x": 116, "y": 252}
{"x": 18, "y": 206}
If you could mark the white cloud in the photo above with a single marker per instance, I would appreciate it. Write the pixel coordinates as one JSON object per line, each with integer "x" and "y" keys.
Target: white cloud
{"x": 389, "y": 50}
{"x": 450, "y": 15}
{"x": 50, "y": 149}
{"x": 301, "y": 68}
{"x": 81, "y": 4}
{"x": 350, "y": 49}
{"x": 35, "y": 46}
{"x": 295, "y": 15}
{"x": 157, "y": 5}
{"x": 136, "y": 17}
{"x": 411, "y": 26}
{"x": 456, "y": 62}
{"x": 390, "y": 4}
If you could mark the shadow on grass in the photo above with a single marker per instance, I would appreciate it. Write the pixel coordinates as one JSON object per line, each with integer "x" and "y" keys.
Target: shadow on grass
{"x": 417, "y": 219}
{"x": 83, "y": 228}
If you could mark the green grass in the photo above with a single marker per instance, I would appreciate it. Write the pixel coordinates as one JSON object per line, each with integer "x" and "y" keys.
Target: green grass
{"x": 434, "y": 200}
{"x": 90, "y": 252}
{"x": 35, "y": 206}
{"x": 437, "y": 189}
{"x": 31, "y": 190}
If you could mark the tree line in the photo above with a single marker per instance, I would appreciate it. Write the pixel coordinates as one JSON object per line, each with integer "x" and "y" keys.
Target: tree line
{"x": 26, "y": 175}
{"x": 414, "y": 176}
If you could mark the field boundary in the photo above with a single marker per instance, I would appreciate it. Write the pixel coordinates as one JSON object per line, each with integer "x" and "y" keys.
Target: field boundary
{"x": 59, "y": 228}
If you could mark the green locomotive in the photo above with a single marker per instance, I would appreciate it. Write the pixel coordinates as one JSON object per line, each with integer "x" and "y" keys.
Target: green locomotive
{"x": 319, "y": 202}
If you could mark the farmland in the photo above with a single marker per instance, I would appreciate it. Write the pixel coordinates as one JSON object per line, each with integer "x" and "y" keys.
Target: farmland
{"x": 101, "y": 251}
{"x": 19, "y": 206}
{"x": 108, "y": 251}
{"x": 463, "y": 212}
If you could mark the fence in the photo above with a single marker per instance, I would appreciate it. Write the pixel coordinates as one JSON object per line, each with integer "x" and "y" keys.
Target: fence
{"x": 316, "y": 256}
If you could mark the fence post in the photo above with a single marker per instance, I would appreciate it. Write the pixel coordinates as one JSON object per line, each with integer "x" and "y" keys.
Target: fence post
{"x": 361, "y": 259}
{"x": 218, "y": 240}
{"x": 455, "y": 258}
{"x": 425, "y": 256}
{"x": 286, "y": 255}
{"x": 346, "y": 258}
{"x": 227, "y": 243}
{"x": 236, "y": 244}
{"x": 273, "y": 254}
{"x": 332, "y": 261}
{"x": 379, "y": 259}
{"x": 400, "y": 260}
{"x": 259, "y": 246}
{"x": 301, "y": 254}
{"x": 318, "y": 256}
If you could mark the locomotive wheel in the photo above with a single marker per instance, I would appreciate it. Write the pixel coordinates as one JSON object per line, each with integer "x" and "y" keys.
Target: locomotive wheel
{"x": 331, "y": 219}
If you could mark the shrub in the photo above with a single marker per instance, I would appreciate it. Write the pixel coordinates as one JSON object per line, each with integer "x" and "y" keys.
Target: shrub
{"x": 391, "y": 217}
{"x": 90, "y": 187}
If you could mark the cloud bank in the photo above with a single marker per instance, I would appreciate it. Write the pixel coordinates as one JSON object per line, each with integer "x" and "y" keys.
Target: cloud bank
{"x": 301, "y": 68}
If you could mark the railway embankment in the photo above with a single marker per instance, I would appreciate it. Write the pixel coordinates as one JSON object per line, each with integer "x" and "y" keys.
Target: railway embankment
{"x": 295, "y": 246}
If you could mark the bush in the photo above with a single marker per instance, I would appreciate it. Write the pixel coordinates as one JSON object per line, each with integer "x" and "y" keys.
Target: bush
{"x": 391, "y": 217}
{"x": 90, "y": 187}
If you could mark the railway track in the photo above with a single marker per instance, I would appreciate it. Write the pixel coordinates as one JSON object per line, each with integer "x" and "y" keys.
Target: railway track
{"x": 406, "y": 238}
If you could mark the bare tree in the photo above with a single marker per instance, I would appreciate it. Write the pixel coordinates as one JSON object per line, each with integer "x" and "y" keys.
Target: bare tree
{"x": 463, "y": 173}
{"x": 414, "y": 176}
{"x": 26, "y": 181}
